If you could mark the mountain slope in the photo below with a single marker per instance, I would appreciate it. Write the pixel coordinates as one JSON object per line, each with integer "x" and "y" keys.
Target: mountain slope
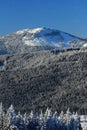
{"x": 37, "y": 39}
{"x": 38, "y": 80}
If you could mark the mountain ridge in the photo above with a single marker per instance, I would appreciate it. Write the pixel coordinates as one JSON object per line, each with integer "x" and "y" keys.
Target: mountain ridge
{"x": 38, "y": 39}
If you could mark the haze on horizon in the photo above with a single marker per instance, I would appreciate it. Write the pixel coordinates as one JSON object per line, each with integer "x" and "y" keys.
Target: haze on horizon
{"x": 68, "y": 16}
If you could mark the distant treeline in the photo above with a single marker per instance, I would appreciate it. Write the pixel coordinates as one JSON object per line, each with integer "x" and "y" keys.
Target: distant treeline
{"x": 56, "y": 51}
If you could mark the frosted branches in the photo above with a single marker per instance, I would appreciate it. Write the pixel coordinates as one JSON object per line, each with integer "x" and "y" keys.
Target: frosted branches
{"x": 10, "y": 120}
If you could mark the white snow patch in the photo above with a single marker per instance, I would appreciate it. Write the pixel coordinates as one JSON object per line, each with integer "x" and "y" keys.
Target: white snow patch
{"x": 21, "y": 31}
{"x": 85, "y": 45}
{"x": 35, "y": 30}
{"x": 29, "y": 30}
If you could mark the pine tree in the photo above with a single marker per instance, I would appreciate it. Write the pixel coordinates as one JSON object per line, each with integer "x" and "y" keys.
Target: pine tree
{"x": 2, "y": 117}
{"x": 68, "y": 119}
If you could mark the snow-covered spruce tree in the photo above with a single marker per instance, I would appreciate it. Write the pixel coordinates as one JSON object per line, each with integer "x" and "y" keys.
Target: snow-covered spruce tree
{"x": 68, "y": 120}
{"x": 42, "y": 121}
{"x": 55, "y": 118}
{"x": 10, "y": 117}
{"x": 25, "y": 119}
{"x": 77, "y": 125}
{"x": 2, "y": 117}
{"x": 51, "y": 123}
{"x": 32, "y": 121}
{"x": 62, "y": 121}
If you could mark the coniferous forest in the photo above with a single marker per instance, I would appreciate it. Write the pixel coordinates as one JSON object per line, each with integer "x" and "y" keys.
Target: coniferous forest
{"x": 37, "y": 80}
{"x": 10, "y": 120}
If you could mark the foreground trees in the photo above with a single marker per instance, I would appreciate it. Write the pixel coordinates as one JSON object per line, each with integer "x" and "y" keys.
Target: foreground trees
{"x": 10, "y": 120}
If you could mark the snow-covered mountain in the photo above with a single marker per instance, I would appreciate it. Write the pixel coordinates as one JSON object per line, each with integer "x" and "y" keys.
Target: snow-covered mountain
{"x": 36, "y": 39}
{"x": 49, "y": 37}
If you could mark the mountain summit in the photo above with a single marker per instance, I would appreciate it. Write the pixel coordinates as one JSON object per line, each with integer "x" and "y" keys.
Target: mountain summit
{"x": 34, "y": 39}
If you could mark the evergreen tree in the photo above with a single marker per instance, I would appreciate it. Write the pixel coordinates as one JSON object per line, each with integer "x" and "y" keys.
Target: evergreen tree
{"x": 2, "y": 117}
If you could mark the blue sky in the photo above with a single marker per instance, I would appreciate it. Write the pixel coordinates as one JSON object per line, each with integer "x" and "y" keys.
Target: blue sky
{"x": 66, "y": 15}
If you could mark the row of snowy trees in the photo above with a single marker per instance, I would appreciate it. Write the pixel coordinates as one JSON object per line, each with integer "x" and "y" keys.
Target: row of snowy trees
{"x": 9, "y": 120}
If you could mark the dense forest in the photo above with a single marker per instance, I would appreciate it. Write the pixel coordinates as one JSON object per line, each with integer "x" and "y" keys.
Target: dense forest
{"x": 37, "y": 80}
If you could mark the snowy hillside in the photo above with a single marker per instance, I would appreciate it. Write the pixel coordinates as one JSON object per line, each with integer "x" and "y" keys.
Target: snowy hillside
{"x": 37, "y": 39}
{"x": 49, "y": 37}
